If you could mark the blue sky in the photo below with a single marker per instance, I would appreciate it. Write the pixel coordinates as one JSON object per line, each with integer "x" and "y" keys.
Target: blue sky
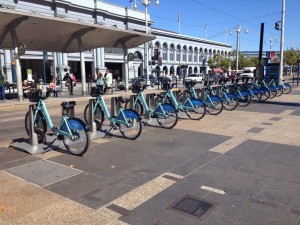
{"x": 221, "y": 18}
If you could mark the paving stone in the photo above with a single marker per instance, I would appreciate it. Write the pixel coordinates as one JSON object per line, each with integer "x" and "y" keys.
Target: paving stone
{"x": 8, "y": 155}
{"x": 255, "y": 130}
{"x": 43, "y": 172}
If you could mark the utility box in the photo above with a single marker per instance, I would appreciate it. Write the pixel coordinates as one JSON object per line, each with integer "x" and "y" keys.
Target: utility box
{"x": 271, "y": 71}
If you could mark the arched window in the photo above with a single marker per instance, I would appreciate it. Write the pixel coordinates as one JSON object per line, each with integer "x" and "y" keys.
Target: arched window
{"x": 190, "y": 54}
{"x": 195, "y": 54}
{"x": 171, "y": 53}
{"x": 178, "y": 49}
{"x": 165, "y": 52}
{"x": 184, "y": 53}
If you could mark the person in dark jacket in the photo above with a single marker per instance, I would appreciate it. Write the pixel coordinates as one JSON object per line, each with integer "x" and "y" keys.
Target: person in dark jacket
{"x": 69, "y": 83}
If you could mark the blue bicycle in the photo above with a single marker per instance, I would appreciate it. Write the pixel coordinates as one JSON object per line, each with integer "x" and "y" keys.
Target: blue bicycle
{"x": 127, "y": 121}
{"x": 165, "y": 113}
{"x": 194, "y": 108}
{"x": 72, "y": 131}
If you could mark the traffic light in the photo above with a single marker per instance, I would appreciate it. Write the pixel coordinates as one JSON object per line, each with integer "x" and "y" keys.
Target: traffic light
{"x": 277, "y": 26}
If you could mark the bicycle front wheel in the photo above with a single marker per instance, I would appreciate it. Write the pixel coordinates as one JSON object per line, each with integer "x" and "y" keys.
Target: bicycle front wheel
{"x": 229, "y": 101}
{"x": 265, "y": 94}
{"x": 40, "y": 126}
{"x": 287, "y": 88}
{"x": 214, "y": 105}
{"x": 273, "y": 92}
{"x": 256, "y": 96}
{"x": 196, "y": 109}
{"x": 98, "y": 116}
{"x": 244, "y": 100}
{"x": 132, "y": 126}
{"x": 167, "y": 115}
{"x": 79, "y": 142}
{"x": 138, "y": 107}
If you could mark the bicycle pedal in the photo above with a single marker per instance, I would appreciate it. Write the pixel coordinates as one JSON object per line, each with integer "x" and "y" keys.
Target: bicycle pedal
{"x": 60, "y": 137}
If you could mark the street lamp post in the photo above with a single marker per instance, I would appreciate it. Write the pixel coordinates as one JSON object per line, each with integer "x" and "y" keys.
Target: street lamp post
{"x": 146, "y": 3}
{"x": 238, "y": 31}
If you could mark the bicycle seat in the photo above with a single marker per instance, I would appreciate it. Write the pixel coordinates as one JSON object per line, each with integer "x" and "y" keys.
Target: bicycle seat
{"x": 68, "y": 105}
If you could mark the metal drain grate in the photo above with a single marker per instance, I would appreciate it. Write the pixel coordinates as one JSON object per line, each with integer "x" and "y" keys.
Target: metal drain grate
{"x": 193, "y": 206}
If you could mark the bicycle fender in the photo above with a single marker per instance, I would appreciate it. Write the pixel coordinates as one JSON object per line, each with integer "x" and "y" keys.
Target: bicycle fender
{"x": 75, "y": 123}
{"x": 166, "y": 107}
{"x": 244, "y": 93}
{"x": 129, "y": 113}
{"x": 215, "y": 98}
{"x": 255, "y": 91}
{"x": 195, "y": 102}
{"x": 229, "y": 96}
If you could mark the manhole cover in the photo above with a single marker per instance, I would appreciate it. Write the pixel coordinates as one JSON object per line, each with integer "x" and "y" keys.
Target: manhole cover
{"x": 193, "y": 206}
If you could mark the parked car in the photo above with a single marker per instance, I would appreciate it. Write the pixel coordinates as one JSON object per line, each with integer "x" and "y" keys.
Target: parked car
{"x": 248, "y": 72}
{"x": 195, "y": 77}
{"x": 142, "y": 80}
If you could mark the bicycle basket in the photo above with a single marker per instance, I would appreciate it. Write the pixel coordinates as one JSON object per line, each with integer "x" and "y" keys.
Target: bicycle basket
{"x": 135, "y": 88}
{"x": 166, "y": 86}
{"x": 95, "y": 91}
{"x": 33, "y": 95}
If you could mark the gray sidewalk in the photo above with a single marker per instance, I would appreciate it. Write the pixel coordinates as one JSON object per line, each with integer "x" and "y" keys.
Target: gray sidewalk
{"x": 237, "y": 168}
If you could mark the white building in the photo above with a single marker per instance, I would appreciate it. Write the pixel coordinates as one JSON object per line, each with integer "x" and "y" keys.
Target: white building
{"x": 170, "y": 53}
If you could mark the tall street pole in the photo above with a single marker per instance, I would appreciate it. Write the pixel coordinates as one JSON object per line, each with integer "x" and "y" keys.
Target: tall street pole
{"x": 146, "y": 3}
{"x": 282, "y": 41}
{"x": 238, "y": 31}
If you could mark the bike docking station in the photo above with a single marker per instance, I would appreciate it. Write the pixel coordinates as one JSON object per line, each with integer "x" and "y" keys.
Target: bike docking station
{"x": 31, "y": 145}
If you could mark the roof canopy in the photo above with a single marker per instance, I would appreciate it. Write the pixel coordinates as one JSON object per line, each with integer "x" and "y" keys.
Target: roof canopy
{"x": 45, "y": 33}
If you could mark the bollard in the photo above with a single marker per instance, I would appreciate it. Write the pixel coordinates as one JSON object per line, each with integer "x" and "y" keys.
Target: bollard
{"x": 113, "y": 109}
{"x": 148, "y": 101}
{"x": 32, "y": 135}
{"x": 92, "y": 124}
{"x": 132, "y": 98}
{"x": 202, "y": 94}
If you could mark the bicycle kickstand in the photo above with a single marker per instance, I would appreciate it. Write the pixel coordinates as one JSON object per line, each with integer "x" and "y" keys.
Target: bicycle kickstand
{"x": 47, "y": 149}
{"x": 108, "y": 134}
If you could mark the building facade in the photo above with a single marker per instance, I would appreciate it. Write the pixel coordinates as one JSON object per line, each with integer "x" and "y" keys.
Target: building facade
{"x": 169, "y": 54}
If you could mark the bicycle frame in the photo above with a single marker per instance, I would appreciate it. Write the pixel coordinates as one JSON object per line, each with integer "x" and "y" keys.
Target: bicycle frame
{"x": 41, "y": 106}
{"x": 100, "y": 101}
{"x": 149, "y": 111}
{"x": 181, "y": 107}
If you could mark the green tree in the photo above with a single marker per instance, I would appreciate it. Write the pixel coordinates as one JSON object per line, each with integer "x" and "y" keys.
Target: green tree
{"x": 291, "y": 57}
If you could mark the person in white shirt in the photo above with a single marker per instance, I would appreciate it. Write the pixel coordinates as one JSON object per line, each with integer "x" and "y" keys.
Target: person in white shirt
{"x": 108, "y": 82}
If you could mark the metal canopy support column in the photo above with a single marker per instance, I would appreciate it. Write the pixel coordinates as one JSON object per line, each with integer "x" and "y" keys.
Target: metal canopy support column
{"x": 11, "y": 29}
{"x": 77, "y": 36}
{"x": 122, "y": 42}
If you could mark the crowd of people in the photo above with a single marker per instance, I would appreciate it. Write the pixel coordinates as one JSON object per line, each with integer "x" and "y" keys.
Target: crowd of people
{"x": 103, "y": 84}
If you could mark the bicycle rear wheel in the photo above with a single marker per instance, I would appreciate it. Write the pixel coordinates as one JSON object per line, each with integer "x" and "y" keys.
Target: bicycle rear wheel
{"x": 198, "y": 111}
{"x": 40, "y": 126}
{"x": 98, "y": 116}
{"x": 133, "y": 128}
{"x": 167, "y": 115}
{"x": 229, "y": 102}
{"x": 80, "y": 143}
{"x": 214, "y": 105}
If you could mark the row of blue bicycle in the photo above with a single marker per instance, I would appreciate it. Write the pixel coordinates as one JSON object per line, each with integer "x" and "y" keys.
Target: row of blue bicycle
{"x": 75, "y": 134}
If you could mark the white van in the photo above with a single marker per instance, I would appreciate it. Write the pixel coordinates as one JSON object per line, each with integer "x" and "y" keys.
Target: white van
{"x": 248, "y": 72}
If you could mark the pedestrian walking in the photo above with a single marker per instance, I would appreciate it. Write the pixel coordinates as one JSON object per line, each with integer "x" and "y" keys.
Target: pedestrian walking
{"x": 69, "y": 83}
{"x": 100, "y": 82}
{"x": 2, "y": 86}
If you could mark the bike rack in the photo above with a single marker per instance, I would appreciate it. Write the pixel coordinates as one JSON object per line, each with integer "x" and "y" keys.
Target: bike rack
{"x": 32, "y": 146}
